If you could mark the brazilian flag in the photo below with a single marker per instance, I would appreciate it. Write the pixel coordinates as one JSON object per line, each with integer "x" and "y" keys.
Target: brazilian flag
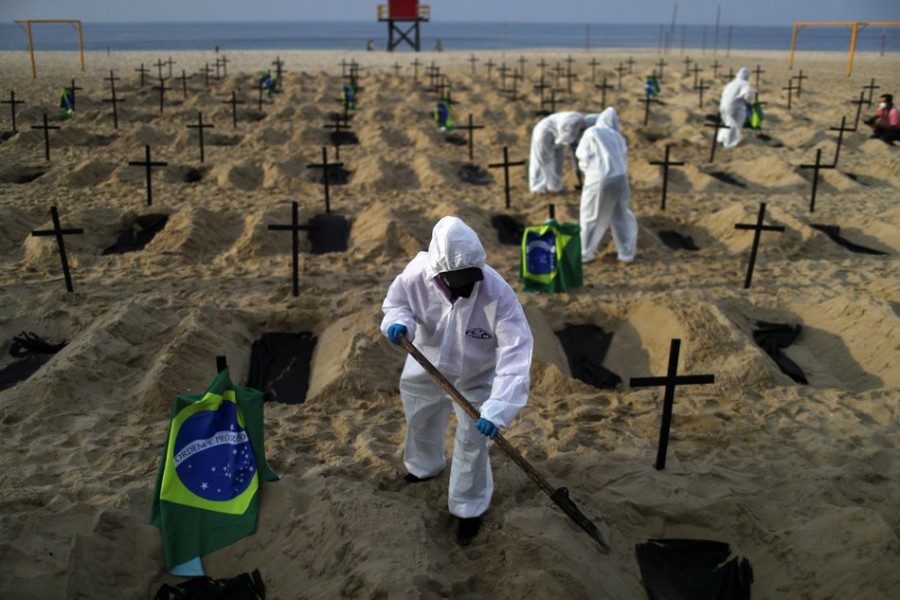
{"x": 207, "y": 489}
{"x": 651, "y": 86}
{"x": 551, "y": 257}
{"x": 442, "y": 116}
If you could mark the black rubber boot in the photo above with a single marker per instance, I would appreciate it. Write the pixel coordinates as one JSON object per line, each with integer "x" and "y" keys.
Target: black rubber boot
{"x": 410, "y": 478}
{"x": 468, "y": 529}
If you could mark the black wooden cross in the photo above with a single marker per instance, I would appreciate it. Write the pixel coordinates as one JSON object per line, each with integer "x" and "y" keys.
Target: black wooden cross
{"x": 594, "y": 64}
{"x": 671, "y": 380}
{"x": 569, "y": 76}
{"x": 112, "y": 79}
{"x": 354, "y": 74}
{"x": 620, "y": 70}
{"x": 551, "y": 101}
{"x": 506, "y": 164}
{"x": 700, "y": 88}
{"x": 261, "y": 89}
{"x": 472, "y": 61}
{"x": 503, "y": 70}
{"x": 337, "y": 123}
{"x": 218, "y": 69}
{"x": 757, "y": 228}
{"x": 184, "y": 77}
{"x": 344, "y": 65}
{"x": 603, "y": 87}
{"x": 324, "y": 165}
{"x": 148, "y": 166}
{"x": 46, "y": 129}
{"x": 790, "y": 90}
{"x": 666, "y": 163}
{"x": 397, "y": 68}
{"x": 441, "y": 87}
{"x": 143, "y": 72}
{"x": 295, "y": 228}
{"x": 490, "y": 67}
{"x": 162, "y": 93}
{"x": 716, "y": 127}
{"x": 58, "y": 232}
{"x": 858, "y": 103}
{"x": 74, "y": 89}
{"x": 206, "y": 70}
{"x": 800, "y": 79}
{"x": 200, "y": 126}
{"x": 12, "y": 106}
{"x": 170, "y": 62}
{"x": 871, "y": 87}
{"x": 816, "y": 167}
{"x": 225, "y": 62}
{"x": 569, "y": 62}
{"x": 159, "y": 65}
{"x": 233, "y": 101}
{"x": 115, "y": 104}
{"x": 730, "y": 75}
{"x": 840, "y": 130}
{"x": 757, "y": 71}
{"x": 647, "y": 100}
{"x": 542, "y": 66}
{"x": 697, "y": 69}
{"x": 514, "y": 92}
{"x": 557, "y": 72}
{"x": 687, "y": 66}
{"x": 415, "y": 65}
{"x": 279, "y": 70}
{"x": 715, "y": 67}
{"x": 662, "y": 63}
{"x": 522, "y": 60}
{"x": 630, "y": 63}
{"x": 471, "y": 129}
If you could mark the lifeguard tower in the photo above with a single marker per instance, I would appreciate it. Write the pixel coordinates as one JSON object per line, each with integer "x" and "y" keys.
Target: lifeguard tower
{"x": 403, "y": 11}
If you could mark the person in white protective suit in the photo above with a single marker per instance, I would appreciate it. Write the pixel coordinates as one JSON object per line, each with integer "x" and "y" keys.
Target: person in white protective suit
{"x": 550, "y": 139}
{"x": 466, "y": 320}
{"x": 606, "y": 196}
{"x": 733, "y": 106}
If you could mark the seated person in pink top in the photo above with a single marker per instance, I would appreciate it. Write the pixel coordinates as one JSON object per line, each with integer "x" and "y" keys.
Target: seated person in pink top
{"x": 886, "y": 122}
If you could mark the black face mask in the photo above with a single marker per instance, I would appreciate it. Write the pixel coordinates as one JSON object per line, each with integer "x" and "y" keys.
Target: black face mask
{"x": 461, "y": 283}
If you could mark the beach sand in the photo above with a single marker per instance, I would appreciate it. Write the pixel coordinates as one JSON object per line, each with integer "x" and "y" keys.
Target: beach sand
{"x": 802, "y": 480}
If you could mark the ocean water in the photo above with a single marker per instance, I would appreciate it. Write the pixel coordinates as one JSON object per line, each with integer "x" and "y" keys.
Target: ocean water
{"x": 452, "y": 36}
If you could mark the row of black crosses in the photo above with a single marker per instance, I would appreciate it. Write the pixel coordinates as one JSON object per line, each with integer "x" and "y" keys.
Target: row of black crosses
{"x": 670, "y": 381}
{"x": 148, "y": 163}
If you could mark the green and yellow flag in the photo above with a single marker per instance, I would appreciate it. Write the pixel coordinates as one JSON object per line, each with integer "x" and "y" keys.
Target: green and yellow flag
{"x": 551, "y": 257}
{"x": 207, "y": 489}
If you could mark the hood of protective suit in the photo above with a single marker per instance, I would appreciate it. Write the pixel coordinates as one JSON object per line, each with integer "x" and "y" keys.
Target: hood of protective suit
{"x": 609, "y": 118}
{"x": 744, "y": 74}
{"x": 591, "y": 119}
{"x": 454, "y": 246}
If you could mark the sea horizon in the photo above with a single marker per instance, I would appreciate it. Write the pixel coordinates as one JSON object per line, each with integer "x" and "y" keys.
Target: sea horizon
{"x": 353, "y": 35}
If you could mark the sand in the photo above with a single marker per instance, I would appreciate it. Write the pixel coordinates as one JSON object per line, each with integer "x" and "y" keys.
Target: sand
{"x": 802, "y": 480}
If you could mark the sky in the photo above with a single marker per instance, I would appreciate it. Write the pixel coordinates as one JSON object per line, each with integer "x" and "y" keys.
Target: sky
{"x": 741, "y": 12}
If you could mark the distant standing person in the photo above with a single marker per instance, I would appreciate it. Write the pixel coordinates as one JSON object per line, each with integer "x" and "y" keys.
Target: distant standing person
{"x": 550, "y": 139}
{"x": 606, "y": 196}
{"x": 886, "y": 122}
{"x": 734, "y": 107}
{"x": 467, "y": 321}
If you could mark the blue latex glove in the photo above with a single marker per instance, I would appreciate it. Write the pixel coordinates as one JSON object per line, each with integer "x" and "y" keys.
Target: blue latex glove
{"x": 395, "y": 331}
{"x": 487, "y": 428}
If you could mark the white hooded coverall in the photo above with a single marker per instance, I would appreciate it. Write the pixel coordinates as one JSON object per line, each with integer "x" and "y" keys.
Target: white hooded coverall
{"x": 550, "y": 139}
{"x": 482, "y": 344}
{"x": 606, "y": 196}
{"x": 733, "y": 107}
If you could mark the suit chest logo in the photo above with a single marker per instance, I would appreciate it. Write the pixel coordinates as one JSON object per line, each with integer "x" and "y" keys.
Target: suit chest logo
{"x": 479, "y": 334}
